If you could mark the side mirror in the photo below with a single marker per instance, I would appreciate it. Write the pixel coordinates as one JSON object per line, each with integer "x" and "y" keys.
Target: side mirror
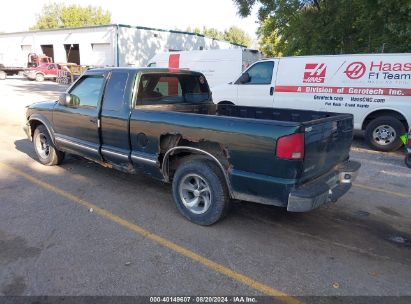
{"x": 69, "y": 100}
{"x": 245, "y": 78}
{"x": 64, "y": 99}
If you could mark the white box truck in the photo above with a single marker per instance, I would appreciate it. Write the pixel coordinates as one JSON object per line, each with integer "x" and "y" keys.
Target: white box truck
{"x": 219, "y": 66}
{"x": 375, "y": 88}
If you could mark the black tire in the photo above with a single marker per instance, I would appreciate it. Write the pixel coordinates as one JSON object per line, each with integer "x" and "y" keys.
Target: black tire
{"x": 46, "y": 152}
{"x": 219, "y": 199}
{"x": 225, "y": 102}
{"x": 39, "y": 77}
{"x": 407, "y": 160}
{"x": 387, "y": 126}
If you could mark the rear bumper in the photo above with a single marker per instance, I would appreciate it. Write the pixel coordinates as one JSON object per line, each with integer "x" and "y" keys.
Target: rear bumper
{"x": 328, "y": 188}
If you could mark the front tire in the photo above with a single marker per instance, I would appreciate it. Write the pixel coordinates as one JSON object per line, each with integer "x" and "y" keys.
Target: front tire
{"x": 39, "y": 77}
{"x": 46, "y": 152}
{"x": 383, "y": 133}
{"x": 200, "y": 191}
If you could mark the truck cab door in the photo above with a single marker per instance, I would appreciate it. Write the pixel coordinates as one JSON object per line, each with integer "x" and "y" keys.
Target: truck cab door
{"x": 52, "y": 70}
{"x": 115, "y": 111}
{"x": 76, "y": 125}
{"x": 255, "y": 86}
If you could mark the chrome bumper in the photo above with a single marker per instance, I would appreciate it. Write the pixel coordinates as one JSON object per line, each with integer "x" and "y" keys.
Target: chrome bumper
{"x": 324, "y": 189}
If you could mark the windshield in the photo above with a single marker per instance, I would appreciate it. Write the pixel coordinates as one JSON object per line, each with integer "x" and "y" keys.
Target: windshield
{"x": 41, "y": 66}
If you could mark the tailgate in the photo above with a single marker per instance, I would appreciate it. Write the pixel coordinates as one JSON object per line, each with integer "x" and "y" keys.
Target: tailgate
{"x": 327, "y": 143}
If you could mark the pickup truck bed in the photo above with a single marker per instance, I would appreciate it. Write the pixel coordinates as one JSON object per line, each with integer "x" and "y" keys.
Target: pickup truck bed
{"x": 163, "y": 123}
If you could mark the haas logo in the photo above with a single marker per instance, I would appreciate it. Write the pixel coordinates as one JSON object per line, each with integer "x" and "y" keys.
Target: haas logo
{"x": 314, "y": 73}
{"x": 355, "y": 70}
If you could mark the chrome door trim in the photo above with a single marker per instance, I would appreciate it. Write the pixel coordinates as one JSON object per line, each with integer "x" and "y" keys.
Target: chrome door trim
{"x": 69, "y": 142}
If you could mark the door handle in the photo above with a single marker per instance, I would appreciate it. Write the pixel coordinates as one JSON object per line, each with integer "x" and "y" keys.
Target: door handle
{"x": 95, "y": 121}
{"x": 271, "y": 91}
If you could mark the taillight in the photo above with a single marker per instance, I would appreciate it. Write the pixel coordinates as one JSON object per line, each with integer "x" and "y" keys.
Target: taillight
{"x": 291, "y": 146}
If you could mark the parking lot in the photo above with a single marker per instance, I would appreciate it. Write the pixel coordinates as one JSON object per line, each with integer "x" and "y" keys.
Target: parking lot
{"x": 82, "y": 229}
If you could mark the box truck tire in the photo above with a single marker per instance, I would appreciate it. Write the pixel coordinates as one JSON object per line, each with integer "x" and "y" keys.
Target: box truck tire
{"x": 383, "y": 133}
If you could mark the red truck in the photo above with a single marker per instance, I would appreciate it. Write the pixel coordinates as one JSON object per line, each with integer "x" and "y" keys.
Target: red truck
{"x": 43, "y": 71}
{"x": 33, "y": 60}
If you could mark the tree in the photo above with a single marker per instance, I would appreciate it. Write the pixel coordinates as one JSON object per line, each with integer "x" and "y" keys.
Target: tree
{"x": 57, "y": 15}
{"x": 213, "y": 33}
{"x": 233, "y": 34}
{"x": 236, "y": 35}
{"x": 299, "y": 27}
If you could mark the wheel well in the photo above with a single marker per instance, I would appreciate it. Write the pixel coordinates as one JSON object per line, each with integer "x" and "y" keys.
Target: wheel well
{"x": 226, "y": 102}
{"x": 33, "y": 125}
{"x": 175, "y": 149}
{"x": 379, "y": 113}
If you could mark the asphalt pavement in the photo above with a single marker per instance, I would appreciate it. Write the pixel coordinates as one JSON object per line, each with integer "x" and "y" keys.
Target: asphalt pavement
{"x": 82, "y": 229}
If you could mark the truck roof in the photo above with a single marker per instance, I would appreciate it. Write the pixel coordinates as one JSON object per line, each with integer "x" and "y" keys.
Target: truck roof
{"x": 342, "y": 55}
{"x": 144, "y": 70}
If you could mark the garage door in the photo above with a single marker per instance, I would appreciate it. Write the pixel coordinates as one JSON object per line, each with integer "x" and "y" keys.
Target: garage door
{"x": 102, "y": 54}
{"x": 25, "y": 51}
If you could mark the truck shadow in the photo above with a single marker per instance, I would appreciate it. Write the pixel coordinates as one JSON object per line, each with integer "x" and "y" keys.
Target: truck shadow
{"x": 335, "y": 225}
{"x": 25, "y": 146}
{"x": 332, "y": 225}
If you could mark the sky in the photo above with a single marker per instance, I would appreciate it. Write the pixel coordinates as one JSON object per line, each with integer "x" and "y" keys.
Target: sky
{"x": 19, "y": 15}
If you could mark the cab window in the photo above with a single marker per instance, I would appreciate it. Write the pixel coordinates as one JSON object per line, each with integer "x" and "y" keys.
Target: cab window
{"x": 86, "y": 93}
{"x": 261, "y": 73}
{"x": 161, "y": 88}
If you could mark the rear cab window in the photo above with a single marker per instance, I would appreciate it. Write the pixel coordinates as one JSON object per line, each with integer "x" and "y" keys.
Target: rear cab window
{"x": 115, "y": 96}
{"x": 169, "y": 88}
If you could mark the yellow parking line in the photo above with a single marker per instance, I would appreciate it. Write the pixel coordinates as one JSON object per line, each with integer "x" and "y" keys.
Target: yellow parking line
{"x": 264, "y": 289}
{"x": 402, "y": 195}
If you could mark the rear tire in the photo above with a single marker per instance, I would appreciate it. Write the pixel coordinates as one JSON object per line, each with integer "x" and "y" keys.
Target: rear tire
{"x": 383, "y": 133}
{"x": 46, "y": 152}
{"x": 200, "y": 191}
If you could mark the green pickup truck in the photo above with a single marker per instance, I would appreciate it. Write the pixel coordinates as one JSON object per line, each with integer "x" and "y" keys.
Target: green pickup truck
{"x": 162, "y": 122}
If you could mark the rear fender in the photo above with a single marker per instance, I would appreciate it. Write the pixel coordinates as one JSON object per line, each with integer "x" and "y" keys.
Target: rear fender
{"x": 193, "y": 150}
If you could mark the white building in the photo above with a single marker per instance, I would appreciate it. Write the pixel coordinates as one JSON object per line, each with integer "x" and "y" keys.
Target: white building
{"x": 107, "y": 45}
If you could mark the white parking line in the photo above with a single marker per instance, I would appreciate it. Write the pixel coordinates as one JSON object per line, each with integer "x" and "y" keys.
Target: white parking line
{"x": 398, "y": 174}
